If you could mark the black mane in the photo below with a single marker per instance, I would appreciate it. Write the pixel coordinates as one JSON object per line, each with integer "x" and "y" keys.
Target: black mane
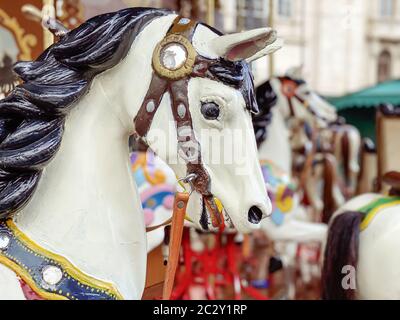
{"x": 32, "y": 117}
{"x": 266, "y": 99}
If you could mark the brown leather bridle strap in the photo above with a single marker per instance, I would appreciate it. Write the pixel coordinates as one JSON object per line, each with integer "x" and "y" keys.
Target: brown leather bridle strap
{"x": 158, "y": 226}
{"x": 158, "y": 86}
{"x": 177, "y": 87}
{"x": 178, "y": 91}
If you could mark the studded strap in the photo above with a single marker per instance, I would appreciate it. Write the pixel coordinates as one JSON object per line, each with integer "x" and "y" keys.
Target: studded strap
{"x": 178, "y": 91}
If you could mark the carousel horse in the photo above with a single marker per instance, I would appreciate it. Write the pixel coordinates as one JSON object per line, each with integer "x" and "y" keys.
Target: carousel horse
{"x": 336, "y": 137}
{"x": 346, "y": 145}
{"x": 273, "y": 133}
{"x": 288, "y": 225}
{"x": 317, "y": 171}
{"x": 72, "y": 226}
{"x": 361, "y": 260}
{"x": 329, "y": 134}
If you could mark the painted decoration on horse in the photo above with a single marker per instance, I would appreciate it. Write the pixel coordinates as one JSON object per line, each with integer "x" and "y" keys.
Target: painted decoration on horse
{"x": 155, "y": 184}
{"x": 280, "y": 190}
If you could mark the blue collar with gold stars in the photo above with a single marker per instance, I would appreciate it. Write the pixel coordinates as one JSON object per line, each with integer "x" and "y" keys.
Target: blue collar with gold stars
{"x": 49, "y": 275}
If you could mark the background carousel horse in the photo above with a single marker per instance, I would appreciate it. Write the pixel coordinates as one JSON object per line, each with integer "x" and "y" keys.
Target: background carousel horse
{"x": 337, "y": 146}
{"x": 361, "y": 260}
{"x": 76, "y": 229}
{"x": 316, "y": 169}
{"x": 346, "y": 147}
{"x": 289, "y": 223}
{"x": 331, "y": 161}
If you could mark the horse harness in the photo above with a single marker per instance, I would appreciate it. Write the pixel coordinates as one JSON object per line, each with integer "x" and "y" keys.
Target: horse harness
{"x": 174, "y": 62}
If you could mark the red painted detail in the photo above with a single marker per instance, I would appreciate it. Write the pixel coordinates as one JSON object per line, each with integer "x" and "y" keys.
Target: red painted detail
{"x": 28, "y": 292}
{"x": 212, "y": 269}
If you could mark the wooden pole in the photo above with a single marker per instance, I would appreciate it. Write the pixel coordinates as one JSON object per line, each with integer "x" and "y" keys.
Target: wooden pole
{"x": 178, "y": 217}
{"x": 211, "y": 12}
{"x": 271, "y": 25}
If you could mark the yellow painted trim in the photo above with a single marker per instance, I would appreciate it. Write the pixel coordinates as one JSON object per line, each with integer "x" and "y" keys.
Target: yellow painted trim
{"x": 68, "y": 267}
{"x": 28, "y": 279}
{"x": 375, "y": 211}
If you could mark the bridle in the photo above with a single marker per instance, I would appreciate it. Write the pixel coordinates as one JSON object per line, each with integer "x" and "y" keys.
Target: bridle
{"x": 173, "y": 77}
{"x": 171, "y": 74}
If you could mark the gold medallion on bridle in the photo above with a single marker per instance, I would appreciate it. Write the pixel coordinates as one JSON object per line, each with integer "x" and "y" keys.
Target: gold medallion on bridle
{"x": 174, "y": 57}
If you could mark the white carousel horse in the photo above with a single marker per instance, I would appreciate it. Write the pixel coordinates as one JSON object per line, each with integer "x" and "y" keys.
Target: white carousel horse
{"x": 289, "y": 225}
{"x": 361, "y": 259}
{"x": 343, "y": 140}
{"x": 273, "y": 137}
{"x": 72, "y": 225}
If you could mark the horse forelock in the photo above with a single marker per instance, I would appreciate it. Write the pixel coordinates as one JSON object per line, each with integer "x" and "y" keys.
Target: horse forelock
{"x": 236, "y": 74}
{"x": 32, "y": 117}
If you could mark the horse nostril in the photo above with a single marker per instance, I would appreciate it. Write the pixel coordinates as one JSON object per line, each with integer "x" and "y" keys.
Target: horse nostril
{"x": 255, "y": 215}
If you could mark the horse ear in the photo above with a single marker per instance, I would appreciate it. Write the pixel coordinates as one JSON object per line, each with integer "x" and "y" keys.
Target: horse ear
{"x": 248, "y": 45}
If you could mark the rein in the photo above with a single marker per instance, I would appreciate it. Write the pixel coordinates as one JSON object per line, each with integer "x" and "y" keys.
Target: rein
{"x": 174, "y": 62}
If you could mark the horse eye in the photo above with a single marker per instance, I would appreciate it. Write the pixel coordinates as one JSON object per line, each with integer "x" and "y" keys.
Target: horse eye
{"x": 210, "y": 110}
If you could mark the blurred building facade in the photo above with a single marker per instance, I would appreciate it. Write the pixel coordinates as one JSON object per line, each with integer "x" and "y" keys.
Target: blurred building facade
{"x": 343, "y": 45}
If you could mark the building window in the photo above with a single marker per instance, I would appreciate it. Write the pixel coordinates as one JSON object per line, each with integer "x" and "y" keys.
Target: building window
{"x": 252, "y": 14}
{"x": 384, "y": 66}
{"x": 386, "y": 8}
{"x": 285, "y": 8}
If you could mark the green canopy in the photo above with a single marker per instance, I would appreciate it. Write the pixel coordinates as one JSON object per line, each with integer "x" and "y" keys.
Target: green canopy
{"x": 384, "y": 92}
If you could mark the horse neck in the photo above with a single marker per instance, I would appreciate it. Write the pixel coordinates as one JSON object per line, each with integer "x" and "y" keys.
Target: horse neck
{"x": 276, "y": 147}
{"x": 86, "y": 207}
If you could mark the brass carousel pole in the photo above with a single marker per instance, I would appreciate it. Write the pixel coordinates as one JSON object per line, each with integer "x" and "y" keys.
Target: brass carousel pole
{"x": 271, "y": 25}
{"x": 211, "y": 12}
